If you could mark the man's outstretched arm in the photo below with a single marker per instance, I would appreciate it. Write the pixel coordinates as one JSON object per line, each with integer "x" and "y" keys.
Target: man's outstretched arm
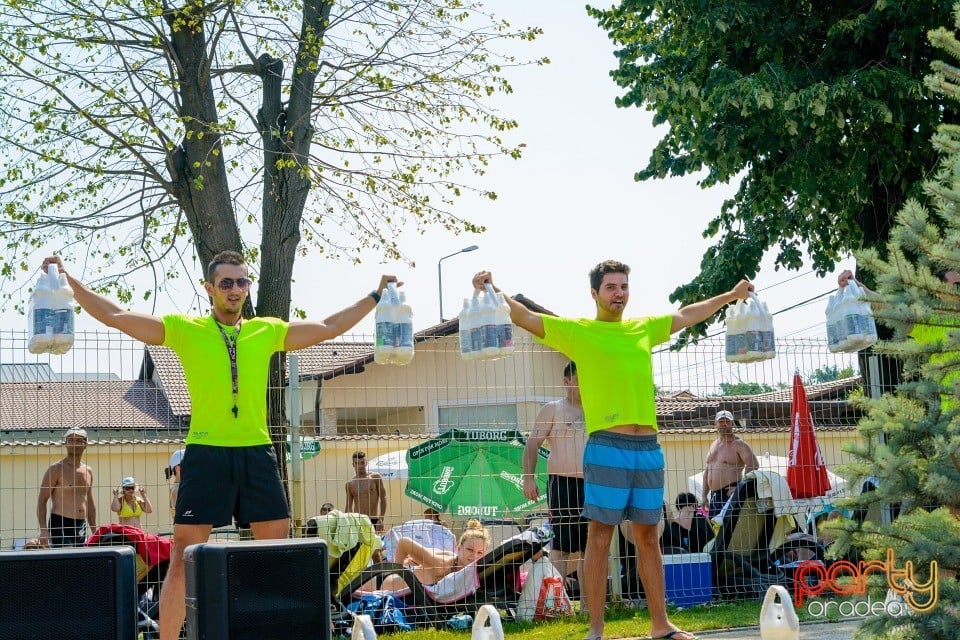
{"x": 519, "y": 314}
{"x": 700, "y": 311}
{"x": 139, "y": 326}
{"x": 303, "y": 334}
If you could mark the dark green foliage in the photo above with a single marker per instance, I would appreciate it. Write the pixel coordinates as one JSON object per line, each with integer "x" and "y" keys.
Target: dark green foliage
{"x": 817, "y": 108}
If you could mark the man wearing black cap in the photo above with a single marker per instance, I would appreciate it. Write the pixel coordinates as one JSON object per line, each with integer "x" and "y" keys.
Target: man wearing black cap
{"x": 728, "y": 459}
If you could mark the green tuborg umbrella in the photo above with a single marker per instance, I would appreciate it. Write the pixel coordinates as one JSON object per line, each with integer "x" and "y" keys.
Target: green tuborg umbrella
{"x": 476, "y": 474}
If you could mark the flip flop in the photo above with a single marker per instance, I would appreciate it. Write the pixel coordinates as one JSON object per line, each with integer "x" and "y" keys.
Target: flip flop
{"x": 670, "y": 635}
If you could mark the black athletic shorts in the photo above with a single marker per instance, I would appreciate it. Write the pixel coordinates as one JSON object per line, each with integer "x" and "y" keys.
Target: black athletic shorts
{"x": 565, "y": 498}
{"x": 220, "y": 484}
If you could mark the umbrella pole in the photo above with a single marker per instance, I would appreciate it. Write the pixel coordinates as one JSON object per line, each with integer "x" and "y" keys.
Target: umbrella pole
{"x": 296, "y": 464}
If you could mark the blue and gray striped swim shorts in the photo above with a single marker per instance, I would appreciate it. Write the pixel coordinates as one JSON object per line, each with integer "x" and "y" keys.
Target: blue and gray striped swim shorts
{"x": 623, "y": 478}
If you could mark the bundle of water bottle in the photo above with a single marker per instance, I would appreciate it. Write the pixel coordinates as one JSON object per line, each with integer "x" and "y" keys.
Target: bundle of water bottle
{"x": 850, "y": 323}
{"x": 50, "y": 315}
{"x": 486, "y": 332}
{"x": 394, "y": 328}
{"x": 749, "y": 335}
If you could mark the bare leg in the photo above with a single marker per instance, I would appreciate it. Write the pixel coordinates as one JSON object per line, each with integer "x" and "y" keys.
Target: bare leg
{"x": 271, "y": 529}
{"x": 650, "y": 570}
{"x": 594, "y": 582}
{"x": 173, "y": 608}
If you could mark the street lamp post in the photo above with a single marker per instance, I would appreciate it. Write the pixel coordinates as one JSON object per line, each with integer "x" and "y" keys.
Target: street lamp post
{"x": 472, "y": 247}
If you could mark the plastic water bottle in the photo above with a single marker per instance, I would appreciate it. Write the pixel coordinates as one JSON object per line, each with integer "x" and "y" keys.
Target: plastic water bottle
{"x": 504, "y": 326}
{"x": 769, "y": 339}
{"x": 476, "y": 329}
{"x": 488, "y": 320}
{"x": 40, "y": 313}
{"x": 62, "y": 316}
{"x": 754, "y": 330}
{"x": 403, "y": 331}
{"x": 778, "y": 620}
{"x": 467, "y": 352}
{"x": 836, "y": 331}
{"x": 383, "y": 348}
{"x": 853, "y": 322}
{"x": 736, "y": 339}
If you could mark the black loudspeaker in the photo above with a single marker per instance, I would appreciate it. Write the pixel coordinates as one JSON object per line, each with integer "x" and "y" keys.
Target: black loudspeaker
{"x": 68, "y": 594}
{"x": 258, "y": 590}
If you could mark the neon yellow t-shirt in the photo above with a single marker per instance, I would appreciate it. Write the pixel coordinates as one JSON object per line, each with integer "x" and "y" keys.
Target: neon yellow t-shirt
{"x": 206, "y": 367}
{"x": 614, "y": 366}
{"x": 928, "y": 334}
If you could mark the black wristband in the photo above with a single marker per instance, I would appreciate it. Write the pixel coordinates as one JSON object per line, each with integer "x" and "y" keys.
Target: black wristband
{"x": 375, "y": 296}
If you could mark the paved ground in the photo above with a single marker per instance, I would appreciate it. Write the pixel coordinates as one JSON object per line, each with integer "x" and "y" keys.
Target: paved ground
{"x": 808, "y": 631}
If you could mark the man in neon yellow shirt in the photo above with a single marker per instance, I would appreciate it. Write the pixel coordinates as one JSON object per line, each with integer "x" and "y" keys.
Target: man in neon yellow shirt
{"x": 229, "y": 469}
{"x": 622, "y": 464}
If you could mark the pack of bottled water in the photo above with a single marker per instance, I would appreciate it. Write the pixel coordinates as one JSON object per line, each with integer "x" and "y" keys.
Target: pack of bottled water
{"x": 850, "y": 323}
{"x": 486, "y": 332}
{"x": 394, "y": 328}
{"x": 749, "y": 336}
{"x": 50, "y": 314}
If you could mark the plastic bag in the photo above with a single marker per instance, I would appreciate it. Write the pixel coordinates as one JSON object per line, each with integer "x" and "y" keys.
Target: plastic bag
{"x": 543, "y": 596}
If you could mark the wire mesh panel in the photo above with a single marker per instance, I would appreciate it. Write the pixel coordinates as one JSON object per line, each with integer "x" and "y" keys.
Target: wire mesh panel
{"x": 346, "y": 449}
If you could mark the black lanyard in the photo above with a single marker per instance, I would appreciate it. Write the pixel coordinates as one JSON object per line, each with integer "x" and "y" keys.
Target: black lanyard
{"x": 232, "y": 352}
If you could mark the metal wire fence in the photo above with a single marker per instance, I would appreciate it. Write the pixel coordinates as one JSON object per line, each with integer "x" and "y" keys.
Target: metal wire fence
{"x": 133, "y": 403}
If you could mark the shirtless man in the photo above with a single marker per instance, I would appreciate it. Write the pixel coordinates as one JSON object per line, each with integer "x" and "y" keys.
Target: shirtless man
{"x": 366, "y": 493}
{"x": 68, "y": 486}
{"x": 728, "y": 459}
{"x": 560, "y": 425}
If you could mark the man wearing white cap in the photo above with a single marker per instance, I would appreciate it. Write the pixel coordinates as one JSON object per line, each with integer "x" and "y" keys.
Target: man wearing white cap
{"x": 728, "y": 459}
{"x": 68, "y": 486}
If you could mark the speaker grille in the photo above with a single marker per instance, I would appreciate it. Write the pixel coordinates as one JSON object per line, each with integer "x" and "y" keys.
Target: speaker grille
{"x": 70, "y": 598}
{"x": 273, "y": 593}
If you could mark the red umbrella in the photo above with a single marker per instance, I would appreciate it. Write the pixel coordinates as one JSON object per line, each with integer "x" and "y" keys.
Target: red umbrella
{"x": 806, "y": 471}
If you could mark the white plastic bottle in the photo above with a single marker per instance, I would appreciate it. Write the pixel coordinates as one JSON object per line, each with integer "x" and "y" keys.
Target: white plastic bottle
{"x": 504, "y": 326}
{"x": 383, "y": 348}
{"x": 735, "y": 338}
{"x": 467, "y": 352}
{"x": 769, "y": 339}
{"x": 476, "y": 329}
{"x": 836, "y": 333}
{"x": 403, "y": 331}
{"x": 40, "y": 313}
{"x": 778, "y": 620}
{"x": 754, "y": 330}
{"x": 62, "y": 316}
{"x": 853, "y": 318}
{"x": 488, "y": 320}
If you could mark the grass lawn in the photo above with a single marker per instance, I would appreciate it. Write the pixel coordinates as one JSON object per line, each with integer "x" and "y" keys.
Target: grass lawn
{"x": 620, "y": 623}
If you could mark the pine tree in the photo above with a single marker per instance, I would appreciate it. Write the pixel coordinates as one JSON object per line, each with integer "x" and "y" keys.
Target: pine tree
{"x": 910, "y": 439}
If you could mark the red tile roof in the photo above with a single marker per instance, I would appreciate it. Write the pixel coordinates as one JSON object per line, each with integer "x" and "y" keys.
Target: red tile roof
{"x": 104, "y": 404}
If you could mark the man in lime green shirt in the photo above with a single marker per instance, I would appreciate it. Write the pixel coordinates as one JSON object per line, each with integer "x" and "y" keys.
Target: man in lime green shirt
{"x": 229, "y": 469}
{"x": 623, "y": 464}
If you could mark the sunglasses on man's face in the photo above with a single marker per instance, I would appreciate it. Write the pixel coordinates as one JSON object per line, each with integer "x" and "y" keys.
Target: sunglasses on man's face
{"x": 128, "y": 488}
{"x": 226, "y": 284}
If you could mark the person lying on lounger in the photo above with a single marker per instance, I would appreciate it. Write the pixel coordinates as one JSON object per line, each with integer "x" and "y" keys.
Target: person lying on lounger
{"x": 430, "y": 565}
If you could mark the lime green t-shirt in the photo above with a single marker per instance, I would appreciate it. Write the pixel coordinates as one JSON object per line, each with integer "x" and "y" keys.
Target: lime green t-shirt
{"x": 206, "y": 367}
{"x": 928, "y": 334}
{"x": 614, "y": 366}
